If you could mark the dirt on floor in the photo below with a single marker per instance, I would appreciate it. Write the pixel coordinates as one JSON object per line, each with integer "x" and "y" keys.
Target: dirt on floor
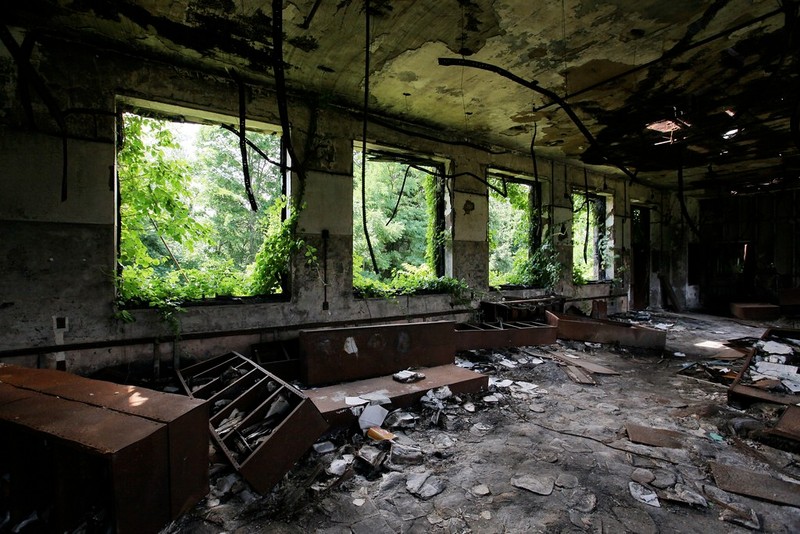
{"x": 540, "y": 452}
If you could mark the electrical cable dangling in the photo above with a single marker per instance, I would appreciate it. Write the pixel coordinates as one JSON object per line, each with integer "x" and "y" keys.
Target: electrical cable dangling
{"x": 537, "y": 230}
{"x": 588, "y": 214}
{"x": 400, "y": 195}
{"x": 364, "y": 142}
{"x": 243, "y": 142}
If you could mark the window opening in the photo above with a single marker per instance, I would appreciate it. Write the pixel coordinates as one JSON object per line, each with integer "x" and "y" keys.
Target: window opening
{"x": 405, "y": 199}
{"x": 592, "y": 243}
{"x": 186, "y": 229}
{"x": 509, "y": 233}
{"x": 514, "y": 258}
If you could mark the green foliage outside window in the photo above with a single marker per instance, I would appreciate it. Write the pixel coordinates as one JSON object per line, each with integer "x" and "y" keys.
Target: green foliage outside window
{"x": 511, "y": 260}
{"x": 186, "y": 229}
{"x": 406, "y": 236}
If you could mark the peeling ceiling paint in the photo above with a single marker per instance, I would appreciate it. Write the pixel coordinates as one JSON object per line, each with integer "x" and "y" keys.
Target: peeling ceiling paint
{"x": 621, "y": 65}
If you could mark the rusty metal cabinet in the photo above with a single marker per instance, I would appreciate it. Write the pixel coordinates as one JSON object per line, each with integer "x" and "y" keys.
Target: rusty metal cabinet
{"x": 262, "y": 424}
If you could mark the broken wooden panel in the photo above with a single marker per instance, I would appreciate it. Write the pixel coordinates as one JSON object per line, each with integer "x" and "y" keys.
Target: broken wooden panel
{"x": 87, "y": 461}
{"x": 330, "y": 355}
{"x": 262, "y": 424}
{"x": 656, "y": 437}
{"x": 186, "y": 420}
{"x": 788, "y": 426}
{"x": 584, "y": 364}
{"x": 742, "y": 391}
{"x": 758, "y": 311}
{"x": 521, "y": 309}
{"x": 605, "y": 331}
{"x": 578, "y": 375}
{"x": 471, "y": 336}
{"x": 754, "y": 484}
{"x": 281, "y": 358}
{"x": 331, "y": 400}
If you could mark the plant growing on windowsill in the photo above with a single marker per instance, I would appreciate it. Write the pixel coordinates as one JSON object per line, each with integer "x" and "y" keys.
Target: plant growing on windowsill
{"x": 411, "y": 280}
{"x": 542, "y": 269}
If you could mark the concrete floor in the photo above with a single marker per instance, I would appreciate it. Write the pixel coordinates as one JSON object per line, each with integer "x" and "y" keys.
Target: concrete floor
{"x": 555, "y": 458}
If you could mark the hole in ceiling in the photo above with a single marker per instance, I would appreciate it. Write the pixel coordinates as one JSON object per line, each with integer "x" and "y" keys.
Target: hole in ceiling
{"x": 637, "y": 33}
{"x": 324, "y": 68}
{"x": 664, "y": 126}
{"x": 730, "y": 134}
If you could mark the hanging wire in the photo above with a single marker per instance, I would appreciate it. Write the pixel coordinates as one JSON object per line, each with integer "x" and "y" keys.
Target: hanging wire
{"x": 243, "y": 142}
{"x": 364, "y": 141}
{"x": 400, "y": 195}
{"x": 537, "y": 233}
{"x": 564, "y": 39}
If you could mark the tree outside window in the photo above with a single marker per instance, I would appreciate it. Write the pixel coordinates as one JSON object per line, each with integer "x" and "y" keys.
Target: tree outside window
{"x": 186, "y": 229}
{"x": 592, "y": 242}
{"x": 405, "y": 220}
{"x": 521, "y": 251}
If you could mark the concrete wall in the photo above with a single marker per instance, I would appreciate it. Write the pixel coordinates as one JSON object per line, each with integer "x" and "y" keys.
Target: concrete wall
{"x": 57, "y": 259}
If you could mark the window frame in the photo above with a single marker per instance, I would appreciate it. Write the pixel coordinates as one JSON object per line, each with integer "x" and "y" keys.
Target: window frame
{"x": 182, "y": 114}
{"x": 545, "y": 217}
{"x": 405, "y": 157}
{"x": 603, "y": 258}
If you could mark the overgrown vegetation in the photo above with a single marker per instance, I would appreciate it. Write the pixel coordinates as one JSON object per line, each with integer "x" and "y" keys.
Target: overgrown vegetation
{"x": 411, "y": 280}
{"x": 186, "y": 229}
{"x": 511, "y": 260}
{"x": 591, "y": 253}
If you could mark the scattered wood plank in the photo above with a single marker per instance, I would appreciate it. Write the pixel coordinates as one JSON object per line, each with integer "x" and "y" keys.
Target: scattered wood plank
{"x": 656, "y": 437}
{"x": 755, "y": 484}
{"x": 788, "y": 425}
{"x": 578, "y": 375}
{"x": 587, "y": 365}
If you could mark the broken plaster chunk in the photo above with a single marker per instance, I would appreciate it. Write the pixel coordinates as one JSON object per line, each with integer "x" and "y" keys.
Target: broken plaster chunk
{"x": 350, "y": 346}
{"x": 643, "y": 494}
{"x": 566, "y": 480}
{"x": 499, "y": 383}
{"x": 541, "y": 485}
{"x": 683, "y": 494}
{"x": 424, "y": 485}
{"x": 406, "y": 455}
{"x": 773, "y": 347}
{"x": 324, "y": 447}
{"x": 536, "y": 408}
{"x": 355, "y": 401}
{"x": 376, "y": 397}
{"x": 400, "y": 419}
{"x": 492, "y": 399}
{"x": 480, "y": 428}
{"x": 469, "y": 407}
{"x": 481, "y": 490}
{"x": 407, "y": 377}
{"x": 340, "y": 465}
{"x": 642, "y": 476}
{"x": 372, "y": 416}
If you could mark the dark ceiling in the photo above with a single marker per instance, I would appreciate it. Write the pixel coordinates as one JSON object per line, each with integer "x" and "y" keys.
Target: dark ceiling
{"x": 716, "y": 81}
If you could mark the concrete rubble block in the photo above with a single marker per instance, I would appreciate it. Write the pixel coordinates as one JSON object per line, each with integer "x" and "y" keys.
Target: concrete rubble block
{"x": 541, "y": 485}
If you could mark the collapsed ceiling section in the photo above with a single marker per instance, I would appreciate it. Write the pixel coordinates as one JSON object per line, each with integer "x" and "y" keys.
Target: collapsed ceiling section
{"x": 710, "y": 86}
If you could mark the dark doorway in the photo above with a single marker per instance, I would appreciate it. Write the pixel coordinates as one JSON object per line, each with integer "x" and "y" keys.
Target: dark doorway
{"x": 640, "y": 282}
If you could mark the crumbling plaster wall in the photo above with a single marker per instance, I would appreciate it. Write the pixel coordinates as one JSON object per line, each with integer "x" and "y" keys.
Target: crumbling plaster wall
{"x": 58, "y": 258}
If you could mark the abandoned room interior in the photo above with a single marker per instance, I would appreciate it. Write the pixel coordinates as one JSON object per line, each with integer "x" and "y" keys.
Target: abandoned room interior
{"x": 399, "y": 266}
